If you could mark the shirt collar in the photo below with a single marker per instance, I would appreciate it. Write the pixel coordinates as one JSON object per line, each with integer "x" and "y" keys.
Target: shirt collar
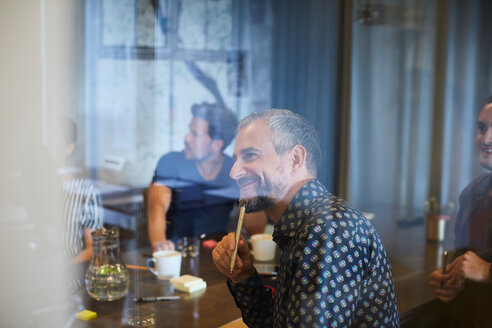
{"x": 299, "y": 206}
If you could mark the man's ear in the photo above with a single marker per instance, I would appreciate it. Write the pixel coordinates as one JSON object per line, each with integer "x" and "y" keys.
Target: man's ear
{"x": 297, "y": 158}
{"x": 217, "y": 145}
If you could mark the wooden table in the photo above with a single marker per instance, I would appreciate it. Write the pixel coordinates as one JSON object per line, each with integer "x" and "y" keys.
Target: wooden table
{"x": 212, "y": 307}
{"x": 412, "y": 257}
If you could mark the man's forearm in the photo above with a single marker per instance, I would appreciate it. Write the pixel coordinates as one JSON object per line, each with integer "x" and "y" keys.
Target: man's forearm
{"x": 159, "y": 199}
{"x": 257, "y": 307}
{"x": 157, "y": 227}
{"x": 84, "y": 256}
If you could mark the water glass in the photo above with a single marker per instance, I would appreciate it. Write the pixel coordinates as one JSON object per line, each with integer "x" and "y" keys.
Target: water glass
{"x": 141, "y": 316}
{"x": 188, "y": 246}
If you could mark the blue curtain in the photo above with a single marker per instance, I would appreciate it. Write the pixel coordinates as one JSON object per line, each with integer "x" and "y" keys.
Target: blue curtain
{"x": 306, "y": 70}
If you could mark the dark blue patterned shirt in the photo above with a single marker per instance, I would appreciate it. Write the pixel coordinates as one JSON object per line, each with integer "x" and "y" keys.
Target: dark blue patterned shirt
{"x": 333, "y": 272}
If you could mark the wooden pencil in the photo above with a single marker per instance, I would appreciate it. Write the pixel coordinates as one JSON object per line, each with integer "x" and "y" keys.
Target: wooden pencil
{"x": 242, "y": 209}
{"x": 136, "y": 267}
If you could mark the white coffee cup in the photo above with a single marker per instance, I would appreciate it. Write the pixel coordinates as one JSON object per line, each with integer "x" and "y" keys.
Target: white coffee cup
{"x": 167, "y": 264}
{"x": 263, "y": 247}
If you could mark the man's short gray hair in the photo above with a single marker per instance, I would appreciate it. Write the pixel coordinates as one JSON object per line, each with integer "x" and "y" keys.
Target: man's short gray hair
{"x": 290, "y": 129}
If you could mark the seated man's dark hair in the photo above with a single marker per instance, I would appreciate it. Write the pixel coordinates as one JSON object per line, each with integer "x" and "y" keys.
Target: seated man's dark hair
{"x": 222, "y": 122}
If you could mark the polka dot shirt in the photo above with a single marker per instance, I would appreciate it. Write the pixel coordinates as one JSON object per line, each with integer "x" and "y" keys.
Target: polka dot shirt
{"x": 333, "y": 272}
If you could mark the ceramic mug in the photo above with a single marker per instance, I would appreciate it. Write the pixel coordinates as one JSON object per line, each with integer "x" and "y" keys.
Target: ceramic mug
{"x": 263, "y": 247}
{"x": 166, "y": 264}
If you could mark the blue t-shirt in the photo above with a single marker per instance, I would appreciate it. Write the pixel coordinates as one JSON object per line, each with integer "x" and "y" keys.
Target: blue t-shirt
{"x": 198, "y": 206}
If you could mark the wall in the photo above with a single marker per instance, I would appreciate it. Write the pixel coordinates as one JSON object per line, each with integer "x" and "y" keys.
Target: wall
{"x": 40, "y": 43}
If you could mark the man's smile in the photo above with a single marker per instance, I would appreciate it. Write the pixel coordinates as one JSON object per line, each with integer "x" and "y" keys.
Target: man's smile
{"x": 486, "y": 149}
{"x": 246, "y": 182}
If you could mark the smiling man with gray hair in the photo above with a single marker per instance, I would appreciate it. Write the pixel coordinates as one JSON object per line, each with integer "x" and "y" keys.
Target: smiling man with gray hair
{"x": 333, "y": 266}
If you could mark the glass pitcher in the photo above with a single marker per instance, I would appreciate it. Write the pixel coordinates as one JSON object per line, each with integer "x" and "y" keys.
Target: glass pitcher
{"x": 106, "y": 278}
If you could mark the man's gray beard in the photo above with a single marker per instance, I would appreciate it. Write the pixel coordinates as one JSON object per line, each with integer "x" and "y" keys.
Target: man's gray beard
{"x": 268, "y": 192}
{"x": 257, "y": 204}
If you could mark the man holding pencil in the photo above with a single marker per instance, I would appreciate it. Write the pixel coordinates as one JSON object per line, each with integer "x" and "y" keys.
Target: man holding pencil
{"x": 333, "y": 267}
{"x": 466, "y": 282}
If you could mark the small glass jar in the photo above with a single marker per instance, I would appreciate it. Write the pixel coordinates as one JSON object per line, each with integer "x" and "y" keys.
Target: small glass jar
{"x": 106, "y": 278}
{"x": 188, "y": 246}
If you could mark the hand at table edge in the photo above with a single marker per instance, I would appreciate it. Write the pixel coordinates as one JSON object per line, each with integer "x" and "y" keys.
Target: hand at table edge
{"x": 163, "y": 245}
{"x": 444, "y": 286}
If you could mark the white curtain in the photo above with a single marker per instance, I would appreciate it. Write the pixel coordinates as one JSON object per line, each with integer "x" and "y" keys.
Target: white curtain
{"x": 419, "y": 77}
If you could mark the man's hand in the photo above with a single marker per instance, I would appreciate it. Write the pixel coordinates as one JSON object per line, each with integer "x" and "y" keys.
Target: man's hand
{"x": 222, "y": 255}
{"x": 163, "y": 245}
{"x": 471, "y": 266}
{"x": 445, "y": 287}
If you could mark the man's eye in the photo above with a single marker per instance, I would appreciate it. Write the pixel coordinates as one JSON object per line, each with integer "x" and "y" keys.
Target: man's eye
{"x": 249, "y": 156}
{"x": 481, "y": 128}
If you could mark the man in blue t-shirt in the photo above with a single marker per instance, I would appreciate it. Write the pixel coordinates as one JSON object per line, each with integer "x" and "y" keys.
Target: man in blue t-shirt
{"x": 191, "y": 192}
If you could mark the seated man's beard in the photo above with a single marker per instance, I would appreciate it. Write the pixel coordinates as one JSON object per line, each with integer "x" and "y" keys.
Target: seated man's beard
{"x": 264, "y": 197}
{"x": 256, "y": 204}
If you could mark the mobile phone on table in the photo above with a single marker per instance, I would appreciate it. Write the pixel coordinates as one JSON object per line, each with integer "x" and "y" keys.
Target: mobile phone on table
{"x": 444, "y": 263}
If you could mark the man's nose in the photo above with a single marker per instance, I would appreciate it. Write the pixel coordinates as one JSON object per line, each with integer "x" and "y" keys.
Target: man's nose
{"x": 237, "y": 170}
{"x": 488, "y": 135}
{"x": 187, "y": 137}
